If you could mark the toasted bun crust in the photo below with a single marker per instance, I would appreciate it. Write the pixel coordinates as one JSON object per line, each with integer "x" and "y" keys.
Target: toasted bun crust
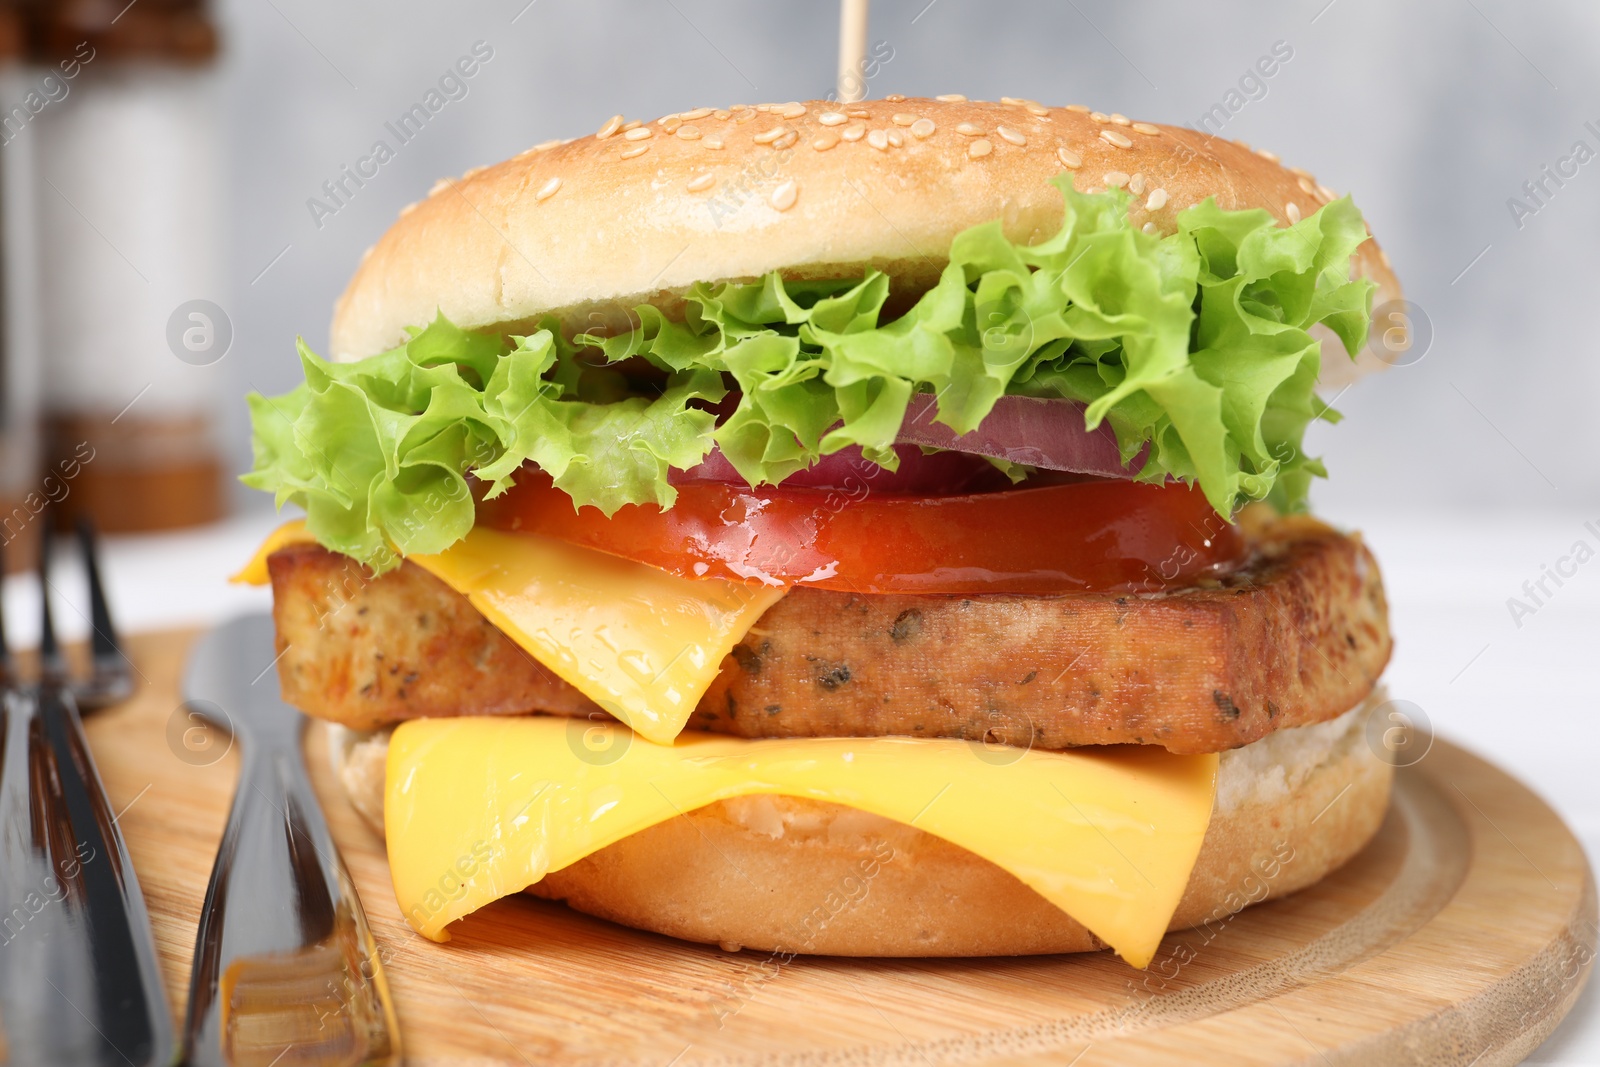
{"x": 589, "y": 227}
{"x": 781, "y": 874}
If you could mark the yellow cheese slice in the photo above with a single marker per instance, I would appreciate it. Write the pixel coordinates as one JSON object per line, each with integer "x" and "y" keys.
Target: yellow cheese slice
{"x": 643, "y": 644}
{"x": 290, "y": 533}
{"x": 479, "y": 808}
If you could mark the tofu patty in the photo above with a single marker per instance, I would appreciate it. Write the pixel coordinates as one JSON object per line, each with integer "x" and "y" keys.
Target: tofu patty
{"x": 1298, "y": 635}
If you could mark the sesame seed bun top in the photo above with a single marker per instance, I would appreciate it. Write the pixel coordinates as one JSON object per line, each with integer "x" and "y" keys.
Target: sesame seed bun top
{"x": 638, "y": 212}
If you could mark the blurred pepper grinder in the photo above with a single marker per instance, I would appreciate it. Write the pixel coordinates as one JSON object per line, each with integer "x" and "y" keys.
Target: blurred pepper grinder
{"x": 23, "y": 497}
{"x": 130, "y": 217}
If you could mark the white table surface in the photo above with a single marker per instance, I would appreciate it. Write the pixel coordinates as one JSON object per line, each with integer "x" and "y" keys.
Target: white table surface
{"x": 1527, "y": 697}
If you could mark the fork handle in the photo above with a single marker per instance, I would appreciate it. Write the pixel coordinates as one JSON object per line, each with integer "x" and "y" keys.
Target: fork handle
{"x": 79, "y": 978}
{"x": 284, "y": 961}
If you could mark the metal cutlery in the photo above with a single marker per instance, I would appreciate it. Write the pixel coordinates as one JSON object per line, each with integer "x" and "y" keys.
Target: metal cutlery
{"x": 110, "y": 679}
{"x": 79, "y": 979}
{"x": 286, "y": 971}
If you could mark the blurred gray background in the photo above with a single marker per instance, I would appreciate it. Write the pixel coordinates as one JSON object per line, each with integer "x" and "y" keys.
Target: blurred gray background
{"x": 1432, "y": 114}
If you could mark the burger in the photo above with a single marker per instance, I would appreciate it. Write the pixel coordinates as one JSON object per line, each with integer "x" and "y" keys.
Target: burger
{"x": 869, "y": 529}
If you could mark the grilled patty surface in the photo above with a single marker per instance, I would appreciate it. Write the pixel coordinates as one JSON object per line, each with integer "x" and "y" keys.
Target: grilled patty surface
{"x": 1298, "y": 635}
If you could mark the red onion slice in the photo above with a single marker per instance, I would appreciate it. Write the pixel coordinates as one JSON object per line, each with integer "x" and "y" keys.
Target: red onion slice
{"x": 1039, "y": 433}
{"x": 1025, "y": 429}
{"x": 934, "y": 474}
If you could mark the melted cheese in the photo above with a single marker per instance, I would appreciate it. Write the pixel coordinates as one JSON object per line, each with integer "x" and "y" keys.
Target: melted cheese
{"x": 643, "y": 644}
{"x": 479, "y": 808}
{"x": 290, "y": 533}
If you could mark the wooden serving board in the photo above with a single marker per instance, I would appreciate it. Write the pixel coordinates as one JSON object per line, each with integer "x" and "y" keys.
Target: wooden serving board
{"x": 1462, "y": 935}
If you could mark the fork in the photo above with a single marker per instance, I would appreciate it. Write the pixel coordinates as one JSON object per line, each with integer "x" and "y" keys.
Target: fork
{"x": 79, "y": 979}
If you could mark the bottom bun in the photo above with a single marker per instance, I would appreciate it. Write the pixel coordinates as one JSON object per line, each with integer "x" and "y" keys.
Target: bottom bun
{"x": 791, "y": 875}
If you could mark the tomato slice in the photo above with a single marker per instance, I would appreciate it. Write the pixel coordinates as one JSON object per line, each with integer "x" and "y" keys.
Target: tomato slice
{"x": 1095, "y": 535}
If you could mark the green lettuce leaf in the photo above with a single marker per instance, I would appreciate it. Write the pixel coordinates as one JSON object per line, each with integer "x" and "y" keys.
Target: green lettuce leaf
{"x": 377, "y": 451}
{"x": 1194, "y": 344}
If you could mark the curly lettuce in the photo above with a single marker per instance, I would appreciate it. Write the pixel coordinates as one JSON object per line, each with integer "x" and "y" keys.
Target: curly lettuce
{"x": 1195, "y": 345}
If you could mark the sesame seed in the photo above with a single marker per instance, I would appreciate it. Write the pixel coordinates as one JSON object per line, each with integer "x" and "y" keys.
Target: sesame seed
{"x": 638, "y": 133}
{"x": 979, "y": 148}
{"x": 853, "y": 132}
{"x": 631, "y": 125}
{"x": 545, "y": 146}
{"x": 878, "y": 139}
{"x": 671, "y": 123}
{"x": 613, "y": 124}
{"x": 1292, "y": 210}
{"x": 784, "y": 196}
{"x": 833, "y": 118}
{"x": 439, "y": 186}
{"x": 689, "y": 133}
{"x": 952, "y": 98}
{"x": 859, "y": 113}
{"x": 1145, "y": 128}
{"x": 744, "y": 114}
{"x": 792, "y": 111}
{"x": 636, "y": 150}
{"x": 697, "y": 113}
{"x": 1121, "y": 140}
{"x": 409, "y": 208}
{"x": 713, "y": 143}
{"x": 1301, "y": 172}
{"x": 701, "y": 182}
{"x": 789, "y": 137}
{"x": 1115, "y": 179}
{"x": 896, "y": 138}
{"x": 1035, "y": 109}
{"x": 1157, "y": 201}
{"x": 1013, "y": 136}
{"x": 1150, "y": 227}
{"x": 967, "y": 129}
{"x": 768, "y": 136}
{"x": 923, "y": 129}
{"x": 473, "y": 172}
{"x": 1270, "y": 157}
{"x": 1136, "y": 185}
{"x": 721, "y": 113}
{"x": 1012, "y": 100}
{"x": 1120, "y": 119}
{"x": 1079, "y": 108}
{"x": 1069, "y": 159}
{"x": 826, "y": 141}
{"x": 900, "y": 118}
{"x": 548, "y": 189}
{"x": 1306, "y": 185}
{"x": 1326, "y": 193}
{"x": 894, "y": 98}
{"x": 1100, "y": 116}
{"x": 764, "y": 108}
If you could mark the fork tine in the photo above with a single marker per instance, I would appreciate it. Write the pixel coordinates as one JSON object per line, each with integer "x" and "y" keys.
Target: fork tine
{"x": 52, "y": 665}
{"x": 111, "y": 672}
{"x": 102, "y": 635}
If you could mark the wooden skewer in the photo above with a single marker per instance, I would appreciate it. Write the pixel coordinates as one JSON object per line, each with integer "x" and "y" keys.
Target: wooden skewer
{"x": 852, "y": 84}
